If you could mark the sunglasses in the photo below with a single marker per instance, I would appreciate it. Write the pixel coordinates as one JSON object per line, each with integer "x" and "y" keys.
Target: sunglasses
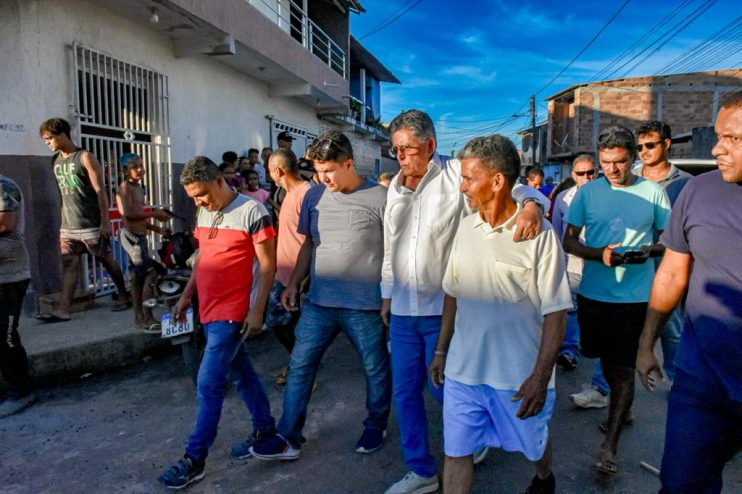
{"x": 214, "y": 230}
{"x": 405, "y": 150}
{"x": 589, "y": 173}
{"x": 648, "y": 145}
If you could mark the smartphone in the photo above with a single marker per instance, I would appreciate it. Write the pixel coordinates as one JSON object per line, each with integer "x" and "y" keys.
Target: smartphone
{"x": 634, "y": 257}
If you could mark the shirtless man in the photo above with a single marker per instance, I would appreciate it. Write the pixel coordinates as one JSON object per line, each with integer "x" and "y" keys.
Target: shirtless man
{"x": 133, "y": 238}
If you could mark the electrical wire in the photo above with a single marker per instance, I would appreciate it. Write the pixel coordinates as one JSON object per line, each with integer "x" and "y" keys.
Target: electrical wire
{"x": 384, "y": 24}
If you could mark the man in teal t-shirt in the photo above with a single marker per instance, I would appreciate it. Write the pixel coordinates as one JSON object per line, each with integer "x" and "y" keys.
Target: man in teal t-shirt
{"x": 621, "y": 214}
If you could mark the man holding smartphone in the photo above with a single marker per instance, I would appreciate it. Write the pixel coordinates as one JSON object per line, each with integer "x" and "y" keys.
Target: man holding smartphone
{"x": 621, "y": 214}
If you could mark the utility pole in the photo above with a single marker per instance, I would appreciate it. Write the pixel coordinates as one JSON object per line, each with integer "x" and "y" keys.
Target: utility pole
{"x": 533, "y": 130}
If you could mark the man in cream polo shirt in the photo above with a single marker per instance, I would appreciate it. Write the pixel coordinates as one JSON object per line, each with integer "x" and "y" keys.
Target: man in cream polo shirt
{"x": 503, "y": 316}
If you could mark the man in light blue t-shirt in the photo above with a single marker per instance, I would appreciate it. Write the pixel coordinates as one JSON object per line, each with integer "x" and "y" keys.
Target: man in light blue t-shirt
{"x": 622, "y": 214}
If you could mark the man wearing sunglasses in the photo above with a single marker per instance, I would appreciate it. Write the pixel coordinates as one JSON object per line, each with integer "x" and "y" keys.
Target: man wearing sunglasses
{"x": 654, "y": 138}
{"x": 583, "y": 171}
{"x": 424, "y": 207}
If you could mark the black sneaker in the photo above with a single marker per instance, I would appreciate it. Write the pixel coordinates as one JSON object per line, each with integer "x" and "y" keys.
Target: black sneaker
{"x": 242, "y": 451}
{"x": 539, "y": 486}
{"x": 567, "y": 361}
{"x": 370, "y": 441}
{"x": 274, "y": 447}
{"x": 182, "y": 474}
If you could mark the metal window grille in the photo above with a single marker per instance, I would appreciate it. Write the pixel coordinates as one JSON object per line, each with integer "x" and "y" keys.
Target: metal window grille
{"x": 119, "y": 108}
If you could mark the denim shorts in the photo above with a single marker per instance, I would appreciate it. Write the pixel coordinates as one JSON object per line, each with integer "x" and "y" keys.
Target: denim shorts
{"x": 480, "y": 415}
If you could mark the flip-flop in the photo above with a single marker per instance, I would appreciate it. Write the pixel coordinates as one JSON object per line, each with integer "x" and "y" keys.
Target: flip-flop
{"x": 121, "y": 305}
{"x": 154, "y": 328}
{"x": 606, "y": 466}
{"x": 51, "y": 318}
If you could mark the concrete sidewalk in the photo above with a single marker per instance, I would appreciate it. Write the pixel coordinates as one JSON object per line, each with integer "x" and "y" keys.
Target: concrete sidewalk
{"x": 94, "y": 340}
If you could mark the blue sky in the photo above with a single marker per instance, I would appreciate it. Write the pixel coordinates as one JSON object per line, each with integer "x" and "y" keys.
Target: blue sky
{"x": 472, "y": 63}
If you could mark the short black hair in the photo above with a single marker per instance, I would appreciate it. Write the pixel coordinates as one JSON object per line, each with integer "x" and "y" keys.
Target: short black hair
{"x": 654, "y": 126}
{"x": 199, "y": 169}
{"x": 252, "y": 150}
{"x": 56, "y": 126}
{"x": 617, "y": 137}
{"x": 247, "y": 174}
{"x": 534, "y": 171}
{"x": 288, "y": 160}
{"x": 230, "y": 156}
{"x": 330, "y": 145}
{"x": 225, "y": 165}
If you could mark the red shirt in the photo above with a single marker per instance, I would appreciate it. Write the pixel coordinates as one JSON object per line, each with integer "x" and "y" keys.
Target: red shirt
{"x": 226, "y": 241}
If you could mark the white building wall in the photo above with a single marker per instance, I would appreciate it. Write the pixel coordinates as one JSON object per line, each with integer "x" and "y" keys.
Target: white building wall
{"x": 213, "y": 108}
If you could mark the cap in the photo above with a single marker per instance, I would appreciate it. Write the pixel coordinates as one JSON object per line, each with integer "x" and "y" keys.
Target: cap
{"x": 285, "y": 136}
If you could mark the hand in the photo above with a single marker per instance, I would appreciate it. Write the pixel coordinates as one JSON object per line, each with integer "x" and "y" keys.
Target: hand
{"x": 105, "y": 229}
{"x": 386, "y": 310}
{"x": 166, "y": 232}
{"x": 610, "y": 258}
{"x": 648, "y": 368}
{"x": 179, "y": 309}
{"x": 253, "y": 325}
{"x": 160, "y": 215}
{"x": 290, "y": 298}
{"x": 528, "y": 222}
{"x": 533, "y": 394}
{"x": 437, "y": 366}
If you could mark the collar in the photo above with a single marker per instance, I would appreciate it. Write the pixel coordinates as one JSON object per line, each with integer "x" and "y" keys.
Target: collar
{"x": 671, "y": 174}
{"x": 435, "y": 165}
{"x": 508, "y": 224}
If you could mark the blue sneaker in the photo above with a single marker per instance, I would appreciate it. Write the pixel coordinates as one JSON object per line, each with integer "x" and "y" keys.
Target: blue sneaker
{"x": 242, "y": 451}
{"x": 182, "y": 474}
{"x": 274, "y": 447}
{"x": 370, "y": 441}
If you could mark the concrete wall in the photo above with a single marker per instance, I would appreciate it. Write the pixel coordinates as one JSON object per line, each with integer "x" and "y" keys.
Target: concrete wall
{"x": 683, "y": 101}
{"x": 213, "y": 107}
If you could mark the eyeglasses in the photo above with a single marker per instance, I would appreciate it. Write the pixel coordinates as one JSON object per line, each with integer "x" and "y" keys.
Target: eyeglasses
{"x": 214, "y": 230}
{"x": 589, "y": 173}
{"x": 620, "y": 133}
{"x": 648, "y": 145}
{"x": 405, "y": 150}
{"x": 325, "y": 144}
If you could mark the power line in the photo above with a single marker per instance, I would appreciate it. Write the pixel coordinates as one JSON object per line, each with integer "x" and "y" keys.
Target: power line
{"x": 641, "y": 40}
{"x": 402, "y": 11}
{"x": 595, "y": 37}
{"x": 687, "y": 58}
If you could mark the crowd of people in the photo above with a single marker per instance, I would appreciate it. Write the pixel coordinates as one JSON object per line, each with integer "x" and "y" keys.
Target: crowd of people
{"x": 453, "y": 275}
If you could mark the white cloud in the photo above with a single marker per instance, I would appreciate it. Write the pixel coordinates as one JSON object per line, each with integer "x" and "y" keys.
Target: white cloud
{"x": 471, "y": 72}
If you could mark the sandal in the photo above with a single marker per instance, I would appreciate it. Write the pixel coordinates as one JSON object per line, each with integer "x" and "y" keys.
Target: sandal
{"x": 51, "y": 318}
{"x": 121, "y": 305}
{"x": 154, "y": 328}
{"x": 605, "y": 464}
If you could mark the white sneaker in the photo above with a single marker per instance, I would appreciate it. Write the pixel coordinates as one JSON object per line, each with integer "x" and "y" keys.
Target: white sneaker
{"x": 412, "y": 483}
{"x": 589, "y": 397}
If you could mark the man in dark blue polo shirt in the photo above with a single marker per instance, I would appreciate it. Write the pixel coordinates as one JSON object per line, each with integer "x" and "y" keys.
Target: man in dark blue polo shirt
{"x": 704, "y": 416}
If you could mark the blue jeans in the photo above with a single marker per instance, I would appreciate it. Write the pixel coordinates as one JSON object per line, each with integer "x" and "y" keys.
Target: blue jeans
{"x": 703, "y": 433}
{"x": 671, "y": 339}
{"x": 571, "y": 342}
{"x": 413, "y": 344}
{"x": 317, "y": 328}
{"x": 598, "y": 379}
{"x": 225, "y": 359}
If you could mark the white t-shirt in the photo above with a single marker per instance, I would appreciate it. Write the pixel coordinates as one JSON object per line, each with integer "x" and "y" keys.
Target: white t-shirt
{"x": 502, "y": 289}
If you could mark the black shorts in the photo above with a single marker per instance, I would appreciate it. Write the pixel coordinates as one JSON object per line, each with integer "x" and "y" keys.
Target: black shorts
{"x": 610, "y": 331}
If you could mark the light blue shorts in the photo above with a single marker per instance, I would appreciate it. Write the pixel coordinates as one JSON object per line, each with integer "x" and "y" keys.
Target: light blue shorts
{"x": 478, "y": 416}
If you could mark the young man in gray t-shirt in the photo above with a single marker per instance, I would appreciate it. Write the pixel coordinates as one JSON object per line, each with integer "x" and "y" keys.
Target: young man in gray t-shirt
{"x": 342, "y": 253}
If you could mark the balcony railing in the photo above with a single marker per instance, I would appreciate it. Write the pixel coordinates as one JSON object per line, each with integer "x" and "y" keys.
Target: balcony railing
{"x": 289, "y": 16}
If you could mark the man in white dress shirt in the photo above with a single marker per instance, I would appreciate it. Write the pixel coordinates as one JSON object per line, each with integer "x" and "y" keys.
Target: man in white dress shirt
{"x": 423, "y": 210}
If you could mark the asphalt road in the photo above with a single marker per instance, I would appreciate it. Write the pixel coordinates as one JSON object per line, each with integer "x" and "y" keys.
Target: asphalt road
{"x": 116, "y": 433}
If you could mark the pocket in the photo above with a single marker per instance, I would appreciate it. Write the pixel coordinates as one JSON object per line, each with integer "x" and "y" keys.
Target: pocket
{"x": 511, "y": 281}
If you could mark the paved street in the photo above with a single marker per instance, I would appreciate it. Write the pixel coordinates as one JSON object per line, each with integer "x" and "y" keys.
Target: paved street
{"x": 117, "y": 432}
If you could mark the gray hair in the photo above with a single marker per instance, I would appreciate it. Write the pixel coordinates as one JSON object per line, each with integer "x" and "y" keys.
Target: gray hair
{"x": 199, "y": 169}
{"x": 496, "y": 153}
{"x": 617, "y": 137}
{"x": 417, "y": 121}
{"x": 584, "y": 157}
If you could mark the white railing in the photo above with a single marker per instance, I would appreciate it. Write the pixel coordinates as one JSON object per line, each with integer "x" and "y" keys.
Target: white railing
{"x": 290, "y": 16}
